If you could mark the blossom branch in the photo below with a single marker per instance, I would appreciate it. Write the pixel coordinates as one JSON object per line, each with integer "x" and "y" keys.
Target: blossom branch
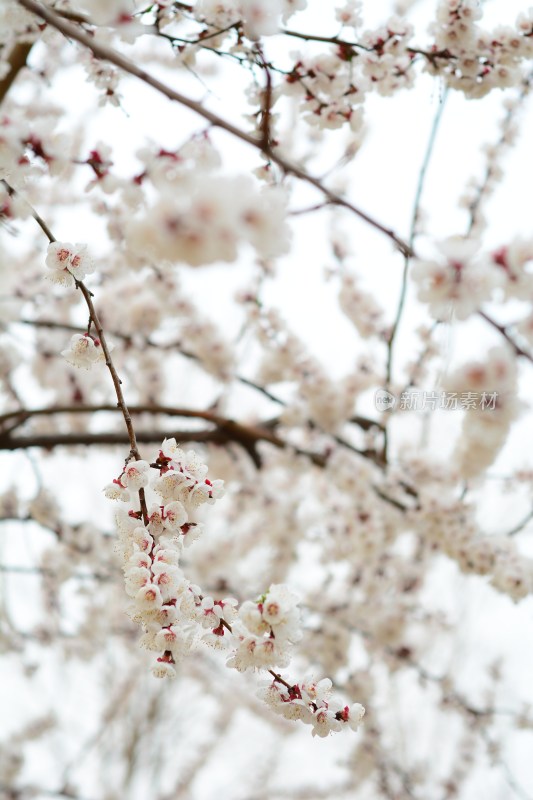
{"x": 114, "y": 57}
{"x": 94, "y": 318}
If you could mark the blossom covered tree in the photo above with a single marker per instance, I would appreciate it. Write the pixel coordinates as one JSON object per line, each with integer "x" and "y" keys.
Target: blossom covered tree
{"x": 249, "y": 494}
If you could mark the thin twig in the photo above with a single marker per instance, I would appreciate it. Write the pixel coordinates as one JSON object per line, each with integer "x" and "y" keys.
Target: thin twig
{"x": 311, "y": 37}
{"x": 412, "y": 235}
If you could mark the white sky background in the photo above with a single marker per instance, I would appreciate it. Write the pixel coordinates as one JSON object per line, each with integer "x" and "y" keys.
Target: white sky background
{"x": 382, "y": 181}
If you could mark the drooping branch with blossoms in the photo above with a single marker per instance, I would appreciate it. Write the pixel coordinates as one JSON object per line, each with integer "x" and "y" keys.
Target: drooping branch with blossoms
{"x": 349, "y": 536}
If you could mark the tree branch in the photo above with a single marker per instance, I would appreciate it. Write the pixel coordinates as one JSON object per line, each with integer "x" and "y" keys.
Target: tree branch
{"x": 226, "y": 430}
{"x": 246, "y": 435}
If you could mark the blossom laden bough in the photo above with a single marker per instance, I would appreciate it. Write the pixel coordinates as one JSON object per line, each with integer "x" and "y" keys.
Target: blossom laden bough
{"x": 174, "y": 613}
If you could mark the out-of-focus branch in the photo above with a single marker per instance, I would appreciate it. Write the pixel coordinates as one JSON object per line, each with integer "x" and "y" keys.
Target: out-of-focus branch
{"x": 36, "y": 216}
{"x": 247, "y": 438}
{"x": 16, "y": 61}
{"x": 506, "y": 335}
{"x": 247, "y": 435}
{"x": 17, "y": 569}
{"x": 29, "y": 791}
{"x": 521, "y": 525}
{"x": 484, "y": 190}
{"x": 225, "y": 431}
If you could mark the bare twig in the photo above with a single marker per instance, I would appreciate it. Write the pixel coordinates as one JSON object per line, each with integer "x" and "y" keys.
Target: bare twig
{"x": 311, "y": 37}
{"x": 407, "y": 258}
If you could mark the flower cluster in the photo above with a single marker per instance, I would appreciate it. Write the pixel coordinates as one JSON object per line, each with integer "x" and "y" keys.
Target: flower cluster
{"x": 514, "y": 260}
{"x": 349, "y": 14}
{"x": 332, "y": 91}
{"x": 199, "y": 222}
{"x": 475, "y": 60}
{"x": 258, "y": 17}
{"x": 266, "y": 630}
{"x": 183, "y": 478}
{"x": 479, "y": 190}
{"x": 360, "y": 307}
{"x": 387, "y": 61}
{"x": 485, "y": 431}
{"x": 466, "y": 277}
{"x": 311, "y": 703}
{"x": 450, "y": 525}
{"x": 164, "y": 602}
{"x": 460, "y": 282}
{"x": 472, "y": 60}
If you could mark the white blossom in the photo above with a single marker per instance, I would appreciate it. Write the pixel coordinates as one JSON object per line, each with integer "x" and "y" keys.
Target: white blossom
{"x": 68, "y": 262}
{"x": 84, "y": 351}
